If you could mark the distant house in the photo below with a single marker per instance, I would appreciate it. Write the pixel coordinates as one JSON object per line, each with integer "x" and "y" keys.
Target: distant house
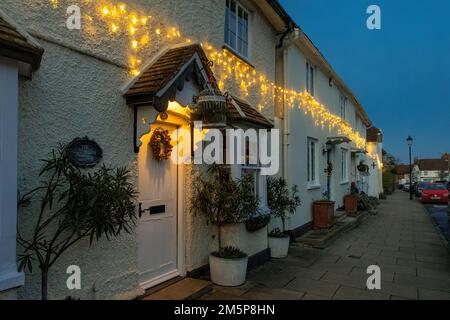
{"x": 431, "y": 170}
{"x": 402, "y": 171}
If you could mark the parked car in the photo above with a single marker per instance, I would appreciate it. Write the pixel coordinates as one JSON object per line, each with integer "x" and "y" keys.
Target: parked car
{"x": 406, "y": 187}
{"x": 435, "y": 193}
{"x": 420, "y": 187}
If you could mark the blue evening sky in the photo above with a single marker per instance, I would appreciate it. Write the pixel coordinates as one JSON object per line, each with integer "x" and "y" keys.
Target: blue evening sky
{"x": 400, "y": 74}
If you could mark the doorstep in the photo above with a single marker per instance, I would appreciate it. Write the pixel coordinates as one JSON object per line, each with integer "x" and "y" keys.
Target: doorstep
{"x": 321, "y": 239}
{"x": 184, "y": 289}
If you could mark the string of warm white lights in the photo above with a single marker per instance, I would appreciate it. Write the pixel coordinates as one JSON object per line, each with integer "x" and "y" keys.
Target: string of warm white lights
{"x": 141, "y": 29}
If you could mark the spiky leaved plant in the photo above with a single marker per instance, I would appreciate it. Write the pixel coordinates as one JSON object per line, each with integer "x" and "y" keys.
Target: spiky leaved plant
{"x": 74, "y": 205}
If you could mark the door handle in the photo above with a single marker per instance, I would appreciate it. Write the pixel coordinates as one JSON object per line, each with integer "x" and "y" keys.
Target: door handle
{"x": 142, "y": 211}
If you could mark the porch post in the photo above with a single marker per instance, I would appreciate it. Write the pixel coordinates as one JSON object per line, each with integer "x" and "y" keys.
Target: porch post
{"x": 9, "y": 82}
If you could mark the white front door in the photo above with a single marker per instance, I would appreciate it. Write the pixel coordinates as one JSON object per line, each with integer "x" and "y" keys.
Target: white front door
{"x": 158, "y": 222}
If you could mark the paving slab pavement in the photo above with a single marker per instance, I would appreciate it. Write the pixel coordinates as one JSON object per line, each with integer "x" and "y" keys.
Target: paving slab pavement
{"x": 413, "y": 256}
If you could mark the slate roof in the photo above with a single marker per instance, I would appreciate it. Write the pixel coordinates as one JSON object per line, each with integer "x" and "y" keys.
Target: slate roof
{"x": 432, "y": 165}
{"x": 17, "y": 44}
{"x": 170, "y": 69}
{"x": 246, "y": 113}
{"x": 402, "y": 169}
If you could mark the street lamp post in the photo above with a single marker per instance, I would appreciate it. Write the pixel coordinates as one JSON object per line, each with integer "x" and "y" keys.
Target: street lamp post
{"x": 410, "y": 143}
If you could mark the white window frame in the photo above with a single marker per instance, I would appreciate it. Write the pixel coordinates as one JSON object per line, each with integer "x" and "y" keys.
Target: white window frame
{"x": 344, "y": 166}
{"x": 343, "y": 105}
{"x": 312, "y": 163}
{"x": 253, "y": 166}
{"x": 310, "y": 78}
{"x": 243, "y": 51}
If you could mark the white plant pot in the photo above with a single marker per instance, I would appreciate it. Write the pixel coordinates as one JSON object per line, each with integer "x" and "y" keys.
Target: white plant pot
{"x": 228, "y": 272}
{"x": 279, "y": 247}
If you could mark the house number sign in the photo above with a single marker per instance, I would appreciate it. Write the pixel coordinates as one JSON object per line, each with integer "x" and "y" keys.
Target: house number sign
{"x": 84, "y": 153}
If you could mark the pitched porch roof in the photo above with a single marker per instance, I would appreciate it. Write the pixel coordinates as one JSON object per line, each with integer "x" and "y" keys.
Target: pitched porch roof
{"x": 241, "y": 111}
{"x": 17, "y": 44}
{"x": 159, "y": 82}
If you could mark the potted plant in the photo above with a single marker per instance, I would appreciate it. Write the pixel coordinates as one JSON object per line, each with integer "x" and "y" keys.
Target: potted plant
{"x": 225, "y": 200}
{"x": 323, "y": 213}
{"x": 75, "y": 205}
{"x": 282, "y": 202}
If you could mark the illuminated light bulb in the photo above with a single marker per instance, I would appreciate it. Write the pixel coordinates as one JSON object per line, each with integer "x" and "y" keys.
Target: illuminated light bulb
{"x": 134, "y": 44}
{"x": 105, "y": 11}
{"x": 145, "y": 40}
{"x": 158, "y": 31}
{"x": 114, "y": 28}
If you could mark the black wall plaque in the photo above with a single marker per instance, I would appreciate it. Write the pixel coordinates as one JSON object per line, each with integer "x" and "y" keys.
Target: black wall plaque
{"x": 84, "y": 153}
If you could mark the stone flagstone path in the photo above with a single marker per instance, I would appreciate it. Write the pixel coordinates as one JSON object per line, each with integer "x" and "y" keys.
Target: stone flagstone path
{"x": 402, "y": 240}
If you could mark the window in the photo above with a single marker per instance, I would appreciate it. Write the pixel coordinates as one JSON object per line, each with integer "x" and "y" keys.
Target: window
{"x": 343, "y": 104}
{"x": 312, "y": 162}
{"x": 254, "y": 173}
{"x": 344, "y": 167}
{"x": 310, "y": 78}
{"x": 252, "y": 167}
{"x": 236, "y": 27}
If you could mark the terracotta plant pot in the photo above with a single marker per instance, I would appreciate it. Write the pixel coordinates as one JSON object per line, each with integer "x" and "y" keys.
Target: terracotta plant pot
{"x": 351, "y": 205}
{"x": 323, "y": 214}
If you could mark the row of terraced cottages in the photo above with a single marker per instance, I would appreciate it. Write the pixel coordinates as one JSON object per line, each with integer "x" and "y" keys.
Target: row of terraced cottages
{"x": 131, "y": 69}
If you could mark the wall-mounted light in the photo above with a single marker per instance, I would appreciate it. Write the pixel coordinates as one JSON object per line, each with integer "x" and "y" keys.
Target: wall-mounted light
{"x": 327, "y": 148}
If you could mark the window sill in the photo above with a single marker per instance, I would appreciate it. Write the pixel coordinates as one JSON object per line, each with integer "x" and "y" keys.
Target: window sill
{"x": 238, "y": 55}
{"x": 345, "y": 182}
{"x": 11, "y": 280}
{"x": 313, "y": 186}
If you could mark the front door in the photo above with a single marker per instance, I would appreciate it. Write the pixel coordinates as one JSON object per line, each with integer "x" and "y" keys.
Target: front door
{"x": 158, "y": 221}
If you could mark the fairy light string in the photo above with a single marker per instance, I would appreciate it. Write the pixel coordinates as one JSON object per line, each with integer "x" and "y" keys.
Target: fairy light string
{"x": 143, "y": 32}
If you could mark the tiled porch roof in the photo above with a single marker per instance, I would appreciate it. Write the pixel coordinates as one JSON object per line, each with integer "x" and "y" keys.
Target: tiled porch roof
{"x": 241, "y": 111}
{"x": 162, "y": 79}
{"x": 17, "y": 44}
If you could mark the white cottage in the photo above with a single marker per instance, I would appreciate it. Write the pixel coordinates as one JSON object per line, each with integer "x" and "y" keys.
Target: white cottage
{"x": 324, "y": 128}
{"x": 133, "y": 68}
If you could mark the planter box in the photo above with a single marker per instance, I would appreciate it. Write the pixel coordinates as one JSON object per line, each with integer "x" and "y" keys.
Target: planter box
{"x": 323, "y": 214}
{"x": 228, "y": 272}
{"x": 351, "y": 205}
{"x": 279, "y": 247}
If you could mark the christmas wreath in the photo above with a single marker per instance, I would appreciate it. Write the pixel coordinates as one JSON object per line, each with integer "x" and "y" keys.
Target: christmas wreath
{"x": 330, "y": 169}
{"x": 160, "y": 144}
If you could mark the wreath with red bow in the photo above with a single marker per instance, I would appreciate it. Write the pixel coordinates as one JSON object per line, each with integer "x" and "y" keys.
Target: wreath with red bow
{"x": 160, "y": 144}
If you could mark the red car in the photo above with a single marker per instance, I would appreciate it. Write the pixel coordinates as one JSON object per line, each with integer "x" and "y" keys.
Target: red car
{"x": 435, "y": 193}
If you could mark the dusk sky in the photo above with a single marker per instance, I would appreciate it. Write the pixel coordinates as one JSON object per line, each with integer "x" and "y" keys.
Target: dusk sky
{"x": 400, "y": 74}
